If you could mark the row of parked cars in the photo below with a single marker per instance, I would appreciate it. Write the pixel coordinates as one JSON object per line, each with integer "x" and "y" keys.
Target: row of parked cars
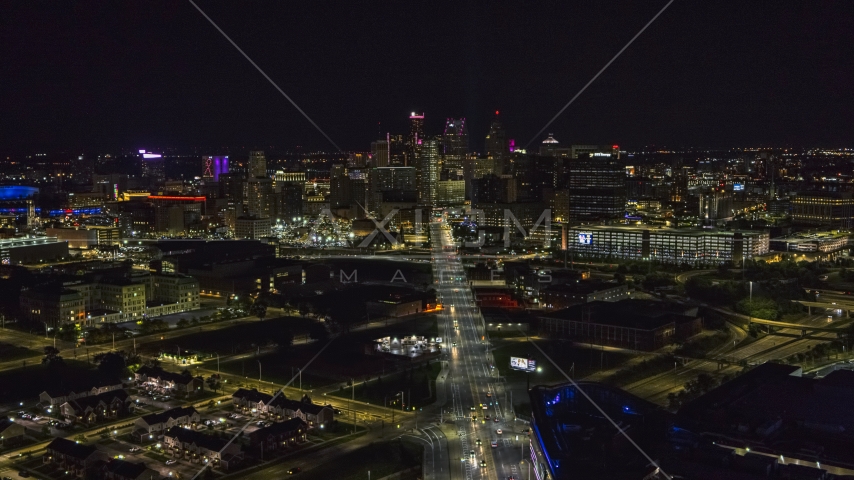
{"x": 156, "y": 396}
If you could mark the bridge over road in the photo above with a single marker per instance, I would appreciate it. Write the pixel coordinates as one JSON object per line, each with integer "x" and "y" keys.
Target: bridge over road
{"x": 805, "y": 329}
{"x": 844, "y": 306}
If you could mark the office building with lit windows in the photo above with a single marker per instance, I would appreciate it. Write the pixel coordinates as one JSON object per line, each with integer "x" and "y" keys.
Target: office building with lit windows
{"x": 833, "y": 209}
{"x": 597, "y": 186}
{"x": 694, "y": 247}
{"x": 257, "y": 165}
{"x": 251, "y": 227}
{"x": 450, "y": 192}
{"x": 454, "y": 144}
{"x": 52, "y": 305}
{"x": 427, "y": 171}
{"x": 415, "y": 139}
{"x": 379, "y": 153}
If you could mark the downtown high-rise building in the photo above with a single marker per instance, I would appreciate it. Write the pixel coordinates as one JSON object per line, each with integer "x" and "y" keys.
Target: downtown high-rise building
{"x": 427, "y": 171}
{"x": 496, "y": 145}
{"x": 397, "y": 150}
{"x": 257, "y": 165}
{"x": 258, "y": 196}
{"x": 455, "y": 141}
{"x": 380, "y": 153}
{"x": 415, "y": 138}
{"x": 597, "y": 186}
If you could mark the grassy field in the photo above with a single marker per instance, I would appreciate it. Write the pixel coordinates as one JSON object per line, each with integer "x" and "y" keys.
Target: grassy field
{"x": 382, "y": 459}
{"x": 14, "y": 352}
{"x": 343, "y": 360}
{"x": 413, "y": 382}
{"x": 235, "y": 339}
{"x": 576, "y": 360}
{"x": 26, "y": 383}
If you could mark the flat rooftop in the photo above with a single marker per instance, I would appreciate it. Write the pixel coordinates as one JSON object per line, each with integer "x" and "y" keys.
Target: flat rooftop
{"x": 638, "y": 314}
{"x": 695, "y": 232}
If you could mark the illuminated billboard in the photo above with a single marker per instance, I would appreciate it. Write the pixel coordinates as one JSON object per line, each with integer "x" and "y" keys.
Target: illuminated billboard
{"x": 585, "y": 238}
{"x": 524, "y": 364}
{"x": 737, "y": 187}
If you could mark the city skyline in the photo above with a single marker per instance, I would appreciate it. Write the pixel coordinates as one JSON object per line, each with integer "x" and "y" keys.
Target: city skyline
{"x": 159, "y": 74}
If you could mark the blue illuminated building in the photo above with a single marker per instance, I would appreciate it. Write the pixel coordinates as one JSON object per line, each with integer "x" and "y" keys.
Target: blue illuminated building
{"x": 573, "y": 439}
{"x": 17, "y": 192}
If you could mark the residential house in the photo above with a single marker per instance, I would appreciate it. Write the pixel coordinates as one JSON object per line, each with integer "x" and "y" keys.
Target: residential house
{"x": 117, "y": 469}
{"x": 11, "y": 433}
{"x": 56, "y": 395}
{"x": 107, "y": 405}
{"x": 198, "y": 447}
{"x": 253, "y": 402}
{"x": 312, "y": 414}
{"x": 157, "y": 423}
{"x": 160, "y": 380}
{"x": 279, "y": 435}
{"x": 73, "y": 457}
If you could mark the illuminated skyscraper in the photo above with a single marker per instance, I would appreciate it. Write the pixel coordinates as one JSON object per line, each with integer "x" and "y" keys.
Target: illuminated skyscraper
{"x": 258, "y": 196}
{"x": 379, "y": 153}
{"x": 257, "y": 164}
{"x": 397, "y": 150}
{"x": 496, "y": 145}
{"x": 455, "y": 141}
{"x": 597, "y": 186}
{"x": 427, "y": 171}
{"x": 416, "y": 136}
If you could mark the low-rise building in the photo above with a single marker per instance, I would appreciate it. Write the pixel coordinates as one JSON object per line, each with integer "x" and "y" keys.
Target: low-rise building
{"x": 395, "y": 305}
{"x": 117, "y": 294}
{"x": 86, "y": 237}
{"x": 52, "y": 305}
{"x": 163, "y": 381}
{"x": 494, "y": 297}
{"x": 279, "y": 408}
{"x": 632, "y": 324}
{"x": 252, "y": 227}
{"x": 75, "y": 458}
{"x": 147, "y": 426}
{"x": 14, "y": 251}
{"x": 200, "y": 448}
{"x": 88, "y": 410}
{"x": 55, "y": 396}
{"x": 279, "y": 435}
{"x": 666, "y": 245}
{"x": 586, "y": 291}
{"x": 11, "y": 432}
{"x": 117, "y": 469}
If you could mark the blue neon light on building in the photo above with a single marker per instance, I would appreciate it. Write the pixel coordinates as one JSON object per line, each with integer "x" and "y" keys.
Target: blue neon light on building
{"x": 17, "y": 192}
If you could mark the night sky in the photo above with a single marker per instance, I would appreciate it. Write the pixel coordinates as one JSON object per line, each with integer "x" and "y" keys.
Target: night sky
{"x": 90, "y": 76}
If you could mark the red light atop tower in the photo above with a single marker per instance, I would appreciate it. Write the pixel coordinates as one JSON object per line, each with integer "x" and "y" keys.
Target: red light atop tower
{"x": 496, "y": 112}
{"x": 615, "y": 147}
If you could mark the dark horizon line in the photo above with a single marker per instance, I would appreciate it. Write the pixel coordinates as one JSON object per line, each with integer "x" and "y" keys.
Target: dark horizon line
{"x": 213, "y": 151}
